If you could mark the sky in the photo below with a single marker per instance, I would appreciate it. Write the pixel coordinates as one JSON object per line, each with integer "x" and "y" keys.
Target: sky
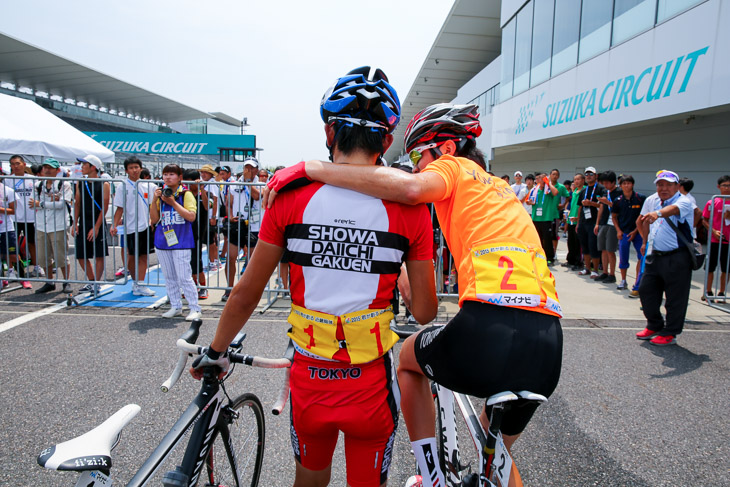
{"x": 269, "y": 61}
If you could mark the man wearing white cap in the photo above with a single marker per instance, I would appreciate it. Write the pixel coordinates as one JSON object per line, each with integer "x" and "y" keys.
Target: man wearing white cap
{"x": 90, "y": 206}
{"x": 519, "y": 187}
{"x": 668, "y": 266}
{"x": 244, "y": 217}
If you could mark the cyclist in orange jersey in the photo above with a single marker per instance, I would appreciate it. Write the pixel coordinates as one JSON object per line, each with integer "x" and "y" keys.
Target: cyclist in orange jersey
{"x": 507, "y": 334}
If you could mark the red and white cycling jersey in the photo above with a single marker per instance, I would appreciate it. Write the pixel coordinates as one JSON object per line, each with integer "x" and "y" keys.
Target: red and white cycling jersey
{"x": 345, "y": 248}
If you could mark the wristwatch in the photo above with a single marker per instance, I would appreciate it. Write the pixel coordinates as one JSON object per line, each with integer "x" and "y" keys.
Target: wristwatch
{"x": 659, "y": 213}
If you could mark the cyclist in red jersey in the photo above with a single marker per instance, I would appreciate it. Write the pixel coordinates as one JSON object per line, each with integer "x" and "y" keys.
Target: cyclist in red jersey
{"x": 345, "y": 250}
{"x": 507, "y": 334}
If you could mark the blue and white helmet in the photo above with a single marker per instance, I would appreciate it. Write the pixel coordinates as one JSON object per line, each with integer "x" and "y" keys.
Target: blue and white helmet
{"x": 357, "y": 100}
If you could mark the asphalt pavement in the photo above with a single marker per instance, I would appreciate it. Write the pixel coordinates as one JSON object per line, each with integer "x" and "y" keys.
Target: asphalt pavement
{"x": 625, "y": 413}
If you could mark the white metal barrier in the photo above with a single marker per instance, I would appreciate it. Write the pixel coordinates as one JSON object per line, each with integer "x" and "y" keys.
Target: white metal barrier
{"x": 225, "y": 232}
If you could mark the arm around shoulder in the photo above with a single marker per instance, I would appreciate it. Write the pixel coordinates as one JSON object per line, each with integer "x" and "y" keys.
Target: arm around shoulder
{"x": 381, "y": 182}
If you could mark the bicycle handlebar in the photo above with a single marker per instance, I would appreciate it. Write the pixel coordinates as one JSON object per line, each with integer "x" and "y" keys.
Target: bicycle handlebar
{"x": 238, "y": 358}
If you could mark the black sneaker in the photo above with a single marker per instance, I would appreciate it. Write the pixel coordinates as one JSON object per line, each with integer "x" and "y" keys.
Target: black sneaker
{"x": 565, "y": 264}
{"x": 225, "y": 296}
{"x": 46, "y": 288}
{"x": 603, "y": 277}
{"x": 609, "y": 280}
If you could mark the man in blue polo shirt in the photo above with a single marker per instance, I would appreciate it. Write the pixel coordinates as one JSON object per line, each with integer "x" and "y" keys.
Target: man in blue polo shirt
{"x": 624, "y": 212}
{"x": 668, "y": 268}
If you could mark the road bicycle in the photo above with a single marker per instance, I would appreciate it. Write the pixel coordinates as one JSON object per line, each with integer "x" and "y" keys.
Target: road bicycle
{"x": 489, "y": 464}
{"x": 225, "y": 437}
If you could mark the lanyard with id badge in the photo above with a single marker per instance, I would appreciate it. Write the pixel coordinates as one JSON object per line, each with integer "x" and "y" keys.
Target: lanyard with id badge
{"x": 608, "y": 208}
{"x": 587, "y": 209}
{"x": 538, "y": 210}
{"x": 169, "y": 233}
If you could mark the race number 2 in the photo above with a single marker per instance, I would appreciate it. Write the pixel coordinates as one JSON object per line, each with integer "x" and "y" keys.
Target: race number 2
{"x": 502, "y": 462}
{"x": 505, "y": 261}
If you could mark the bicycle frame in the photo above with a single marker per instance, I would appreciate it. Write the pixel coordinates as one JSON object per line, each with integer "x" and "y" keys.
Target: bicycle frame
{"x": 489, "y": 445}
{"x": 203, "y": 415}
{"x": 449, "y": 443}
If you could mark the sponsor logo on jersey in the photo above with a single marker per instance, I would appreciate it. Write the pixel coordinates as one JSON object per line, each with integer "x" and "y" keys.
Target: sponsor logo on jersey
{"x": 323, "y": 373}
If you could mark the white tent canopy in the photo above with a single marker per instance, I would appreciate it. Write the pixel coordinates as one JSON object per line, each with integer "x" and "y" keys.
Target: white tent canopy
{"x": 29, "y": 130}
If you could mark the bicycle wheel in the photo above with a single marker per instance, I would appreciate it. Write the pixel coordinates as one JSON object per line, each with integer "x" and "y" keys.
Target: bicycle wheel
{"x": 237, "y": 451}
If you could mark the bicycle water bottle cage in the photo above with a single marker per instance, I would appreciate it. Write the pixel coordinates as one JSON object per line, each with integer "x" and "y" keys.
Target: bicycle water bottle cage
{"x": 92, "y": 450}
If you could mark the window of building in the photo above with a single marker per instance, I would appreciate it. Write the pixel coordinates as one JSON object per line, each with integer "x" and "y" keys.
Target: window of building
{"x": 631, "y": 17}
{"x": 595, "y": 28}
{"x": 542, "y": 41}
{"x": 523, "y": 49}
{"x": 670, "y": 8}
{"x": 508, "y": 59}
{"x": 565, "y": 37}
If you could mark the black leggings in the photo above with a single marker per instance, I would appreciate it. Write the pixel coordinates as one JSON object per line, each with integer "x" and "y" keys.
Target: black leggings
{"x": 487, "y": 349}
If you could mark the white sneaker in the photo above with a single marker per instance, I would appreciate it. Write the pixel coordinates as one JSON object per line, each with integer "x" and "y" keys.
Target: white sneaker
{"x": 172, "y": 312}
{"x": 194, "y": 315}
{"x": 622, "y": 285}
{"x": 11, "y": 274}
{"x": 138, "y": 290}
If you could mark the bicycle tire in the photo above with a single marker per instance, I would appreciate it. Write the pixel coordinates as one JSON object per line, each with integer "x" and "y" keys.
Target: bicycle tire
{"x": 243, "y": 424}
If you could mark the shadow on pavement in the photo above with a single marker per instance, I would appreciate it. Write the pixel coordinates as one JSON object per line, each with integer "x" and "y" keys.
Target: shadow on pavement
{"x": 677, "y": 358}
{"x": 555, "y": 434}
{"x": 145, "y": 324}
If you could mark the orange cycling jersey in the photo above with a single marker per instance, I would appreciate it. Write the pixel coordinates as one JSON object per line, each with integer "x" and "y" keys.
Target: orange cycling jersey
{"x": 493, "y": 240}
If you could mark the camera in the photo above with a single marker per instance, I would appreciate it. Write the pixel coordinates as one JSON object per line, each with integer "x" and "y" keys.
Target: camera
{"x": 167, "y": 192}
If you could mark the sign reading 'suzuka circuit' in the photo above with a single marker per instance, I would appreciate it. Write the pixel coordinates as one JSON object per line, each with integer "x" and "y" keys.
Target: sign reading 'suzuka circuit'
{"x": 669, "y": 78}
{"x": 677, "y": 67}
{"x": 651, "y": 84}
{"x": 142, "y": 143}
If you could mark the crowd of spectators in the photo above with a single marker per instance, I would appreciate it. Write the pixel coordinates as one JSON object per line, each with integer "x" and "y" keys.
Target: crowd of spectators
{"x": 40, "y": 213}
{"x": 601, "y": 214}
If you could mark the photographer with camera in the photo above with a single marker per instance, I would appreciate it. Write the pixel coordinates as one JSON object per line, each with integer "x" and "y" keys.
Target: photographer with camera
{"x": 175, "y": 209}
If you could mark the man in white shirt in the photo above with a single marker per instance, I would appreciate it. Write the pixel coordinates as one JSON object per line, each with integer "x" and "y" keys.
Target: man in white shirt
{"x": 519, "y": 187}
{"x": 132, "y": 200}
{"x": 244, "y": 214}
{"x": 52, "y": 203}
{"x": 668, "y": 263}
{"x": 24, "y": 214}
{"x": 8, "y": 239}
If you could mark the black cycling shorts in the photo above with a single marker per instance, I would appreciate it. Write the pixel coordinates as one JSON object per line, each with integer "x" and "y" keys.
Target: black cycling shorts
{"x": 487, "y": 349}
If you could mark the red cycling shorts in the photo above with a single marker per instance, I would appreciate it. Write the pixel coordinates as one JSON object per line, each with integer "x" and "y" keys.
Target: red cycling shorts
{"x": 360, "y": 400}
